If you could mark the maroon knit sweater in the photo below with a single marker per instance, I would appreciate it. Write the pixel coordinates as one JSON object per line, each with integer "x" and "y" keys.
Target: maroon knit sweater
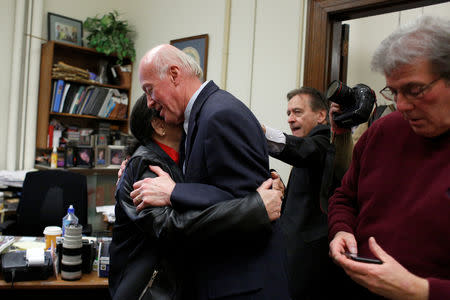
{"x": 397, "y": 190}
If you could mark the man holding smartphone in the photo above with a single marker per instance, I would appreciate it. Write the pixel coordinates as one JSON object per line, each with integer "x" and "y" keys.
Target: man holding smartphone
{"x": 397, "y": 188}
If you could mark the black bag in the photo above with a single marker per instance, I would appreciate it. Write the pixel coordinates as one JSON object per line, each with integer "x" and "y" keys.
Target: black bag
{"x": 15, "y": 267}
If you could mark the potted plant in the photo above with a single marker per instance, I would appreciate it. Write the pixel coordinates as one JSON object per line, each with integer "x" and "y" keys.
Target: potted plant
{"x": 110, "y": 35}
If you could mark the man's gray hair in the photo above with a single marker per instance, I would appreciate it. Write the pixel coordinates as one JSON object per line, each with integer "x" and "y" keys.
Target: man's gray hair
{"x": 173, "y": 56}
{"x": 427, "y": 38}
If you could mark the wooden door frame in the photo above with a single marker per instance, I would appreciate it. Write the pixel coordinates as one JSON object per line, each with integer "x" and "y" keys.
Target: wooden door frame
{"x": 323, "y": 22}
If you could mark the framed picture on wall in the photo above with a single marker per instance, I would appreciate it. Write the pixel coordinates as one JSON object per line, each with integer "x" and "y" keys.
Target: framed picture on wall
{"x": 64, "y": 29}
{"x": 196, "y": 47}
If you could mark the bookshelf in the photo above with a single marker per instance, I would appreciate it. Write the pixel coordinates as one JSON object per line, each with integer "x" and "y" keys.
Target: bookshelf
{"x": 53, "y": 52}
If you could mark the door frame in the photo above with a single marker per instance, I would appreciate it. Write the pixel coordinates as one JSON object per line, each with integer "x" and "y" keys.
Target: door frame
{"x": 324, "y": 20}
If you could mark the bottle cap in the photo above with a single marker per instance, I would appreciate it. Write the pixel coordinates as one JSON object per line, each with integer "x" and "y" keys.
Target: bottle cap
{"x": 53, "y": 230}
{"x": 70, "y": 209}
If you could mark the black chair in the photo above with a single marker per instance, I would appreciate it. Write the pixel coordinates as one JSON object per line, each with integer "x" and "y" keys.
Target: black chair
{"x": 46, "y": 196}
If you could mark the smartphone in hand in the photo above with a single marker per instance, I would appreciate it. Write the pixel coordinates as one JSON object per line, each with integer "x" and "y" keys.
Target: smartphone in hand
{"x": 355, "y": 257}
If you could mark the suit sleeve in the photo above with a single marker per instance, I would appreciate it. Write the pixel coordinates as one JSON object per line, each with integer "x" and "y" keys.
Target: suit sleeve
{"x": 240, "y": 215}
{"x": 302, "y": 152}
{"x": 236, "y": 160}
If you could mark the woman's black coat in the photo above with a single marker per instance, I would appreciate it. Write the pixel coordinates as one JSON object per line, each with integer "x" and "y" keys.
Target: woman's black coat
{"x": 143, "y": 242}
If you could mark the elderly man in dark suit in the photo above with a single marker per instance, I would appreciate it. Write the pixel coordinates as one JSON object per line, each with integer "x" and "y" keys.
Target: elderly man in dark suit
{"x": 224, "y": 148}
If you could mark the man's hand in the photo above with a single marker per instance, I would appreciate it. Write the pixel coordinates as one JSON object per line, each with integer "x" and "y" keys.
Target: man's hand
{"x": 341, "y": 243}
{"x": 271, "y": 199}
{"x": 334, "y": 108}
{"x": 277, "y": 184}
{"x": 153, "y": 191}
{"x": 389, "y": 279}
{"x": 263, "y": 128}
{"x": 120, "y": 172}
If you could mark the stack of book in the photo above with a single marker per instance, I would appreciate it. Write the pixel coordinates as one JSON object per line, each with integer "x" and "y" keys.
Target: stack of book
{"x": 75, "y": 98}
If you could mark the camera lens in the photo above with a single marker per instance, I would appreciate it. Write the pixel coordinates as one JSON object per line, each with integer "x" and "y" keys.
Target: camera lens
{"x": 339, "y": 93}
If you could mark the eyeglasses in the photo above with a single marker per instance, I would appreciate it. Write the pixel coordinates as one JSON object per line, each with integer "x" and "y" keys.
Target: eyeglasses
{"x": 410, "y": 91}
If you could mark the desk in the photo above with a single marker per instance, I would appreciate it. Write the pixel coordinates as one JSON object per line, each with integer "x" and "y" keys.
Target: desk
{"x": 87, "y": 281}
{"x": 90, "y": 286}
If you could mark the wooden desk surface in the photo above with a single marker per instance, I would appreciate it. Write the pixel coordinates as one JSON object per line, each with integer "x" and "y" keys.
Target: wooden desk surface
{"x": 87, "y": 281}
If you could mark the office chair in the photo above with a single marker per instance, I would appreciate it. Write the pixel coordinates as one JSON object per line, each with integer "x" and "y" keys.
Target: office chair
{"x": 46, "y": 195}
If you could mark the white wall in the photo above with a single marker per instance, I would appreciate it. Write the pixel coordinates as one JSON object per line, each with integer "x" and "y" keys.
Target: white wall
{"x": 367, "y": 33}
{"x": 7, "y": 11}
{"x": 264, "y": 51}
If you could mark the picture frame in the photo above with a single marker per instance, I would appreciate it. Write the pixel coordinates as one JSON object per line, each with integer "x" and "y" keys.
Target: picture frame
{"x": 197, "y": 48}
{"x": 84, "y": 157}
{"x": 101, "y": 139}
{"x": 101, "y": 156}
{"x": 115, "y": 155}
{"x": 64, "y": 29}
{"x": 69, "y": 155}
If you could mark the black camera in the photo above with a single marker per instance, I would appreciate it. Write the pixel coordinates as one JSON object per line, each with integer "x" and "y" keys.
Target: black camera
{"x": 356, "y": 103}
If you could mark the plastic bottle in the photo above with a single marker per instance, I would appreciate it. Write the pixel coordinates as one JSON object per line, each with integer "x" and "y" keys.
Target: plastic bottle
{"x": 69, "y": 219}
{"x": 54, "y": 158}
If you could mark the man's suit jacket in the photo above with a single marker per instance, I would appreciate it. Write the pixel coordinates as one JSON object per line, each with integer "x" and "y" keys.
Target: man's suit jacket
{"x": 303, "y": 222}
{"x": 226, "y": 148}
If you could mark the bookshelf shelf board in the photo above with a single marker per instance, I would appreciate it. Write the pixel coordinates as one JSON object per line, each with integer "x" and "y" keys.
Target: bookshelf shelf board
{"x": 84, "y": 171}
{"x": 86, "y": 117}
{"x": 91, "y": 82}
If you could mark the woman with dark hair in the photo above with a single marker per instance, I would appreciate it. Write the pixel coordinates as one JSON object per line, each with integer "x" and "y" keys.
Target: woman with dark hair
{"x": 143, "y": 250}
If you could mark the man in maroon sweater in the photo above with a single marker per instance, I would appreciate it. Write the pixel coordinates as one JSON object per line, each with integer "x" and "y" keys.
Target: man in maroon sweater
{"x": 397, "y": 189}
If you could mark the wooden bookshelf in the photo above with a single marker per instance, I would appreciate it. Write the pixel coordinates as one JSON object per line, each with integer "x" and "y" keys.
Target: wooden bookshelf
{"x": 53, "y": 52}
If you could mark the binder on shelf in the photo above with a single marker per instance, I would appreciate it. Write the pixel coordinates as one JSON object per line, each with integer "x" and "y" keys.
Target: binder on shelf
{"x": 53, "y": 94}
{"x": 64, "y": 95}
{"x": 76, "y": 99}
{"x": 58, "y": 95}
{"x": 89, "y": 101}
{"x": 89, "y": 91}
{"x": 70, "y": 97}
{"x": 100, "y": 100}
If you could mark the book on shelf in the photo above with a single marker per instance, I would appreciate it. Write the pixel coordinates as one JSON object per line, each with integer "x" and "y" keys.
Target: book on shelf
{"x": 97, "y": 99}
{"x": 70, "y": 96}
{"x": 51, "y": 128}
{"x": 107, "y": 101}
{"x": 120, "y": 108}
{"x": 53, "y": 94}
{"x": 76, "y": 99}
{"x": 85, "y": 100}
{"x": 58, "y": 95}
{"x": 64, "y": 95}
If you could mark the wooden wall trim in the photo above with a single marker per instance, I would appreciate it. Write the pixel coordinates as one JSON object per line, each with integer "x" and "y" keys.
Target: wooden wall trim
{"x": 319, "y": 38}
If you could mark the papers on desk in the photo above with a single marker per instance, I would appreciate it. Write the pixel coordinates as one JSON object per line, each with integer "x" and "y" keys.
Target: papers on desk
{"x": 6, "y": 241}
{"x": 29, "y": 242}
{"x": 13, "y": 178}
{"x": 107, "y": 211}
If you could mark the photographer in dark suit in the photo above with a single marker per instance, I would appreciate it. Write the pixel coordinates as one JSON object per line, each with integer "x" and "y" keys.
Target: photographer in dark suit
{"x": 303, "y": 221}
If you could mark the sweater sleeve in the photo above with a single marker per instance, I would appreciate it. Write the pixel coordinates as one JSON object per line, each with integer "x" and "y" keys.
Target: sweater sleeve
{"x": 342, "y": 207}
{"x": 439, "y": 289}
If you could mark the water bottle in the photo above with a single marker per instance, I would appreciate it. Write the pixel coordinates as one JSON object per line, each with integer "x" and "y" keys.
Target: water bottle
{"x": 69, "y": 219}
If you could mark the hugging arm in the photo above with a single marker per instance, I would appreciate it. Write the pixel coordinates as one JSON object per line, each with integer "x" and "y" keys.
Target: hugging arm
{"x": 242, "y": 215}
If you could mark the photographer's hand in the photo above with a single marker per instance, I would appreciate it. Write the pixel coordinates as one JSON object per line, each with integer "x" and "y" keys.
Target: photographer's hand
{"x": 335, "y": 108}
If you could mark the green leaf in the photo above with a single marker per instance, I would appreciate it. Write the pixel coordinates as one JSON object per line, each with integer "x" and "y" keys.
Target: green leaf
{"x": 111, "y": 35}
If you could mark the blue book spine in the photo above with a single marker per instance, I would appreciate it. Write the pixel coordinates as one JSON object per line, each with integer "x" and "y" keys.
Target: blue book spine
{"x": 58, "y": 95}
